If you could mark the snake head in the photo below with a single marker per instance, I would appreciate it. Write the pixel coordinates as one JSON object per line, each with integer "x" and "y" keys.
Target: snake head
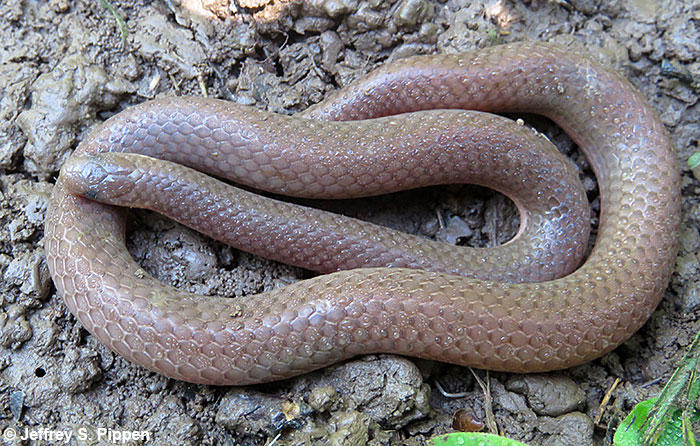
{"x": 103, "y": 176}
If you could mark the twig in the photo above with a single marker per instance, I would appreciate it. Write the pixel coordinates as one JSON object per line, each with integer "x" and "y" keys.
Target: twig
{"x": 605, "y": 400}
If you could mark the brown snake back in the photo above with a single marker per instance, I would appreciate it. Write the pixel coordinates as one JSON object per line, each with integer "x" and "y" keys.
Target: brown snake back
{"x": 482, "y": 323}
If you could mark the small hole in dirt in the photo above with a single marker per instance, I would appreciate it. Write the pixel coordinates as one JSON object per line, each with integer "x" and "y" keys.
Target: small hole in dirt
{"x": 40, "y": 372}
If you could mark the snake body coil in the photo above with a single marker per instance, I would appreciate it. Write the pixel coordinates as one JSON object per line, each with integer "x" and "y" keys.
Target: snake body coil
{"x": 423, "y": 308}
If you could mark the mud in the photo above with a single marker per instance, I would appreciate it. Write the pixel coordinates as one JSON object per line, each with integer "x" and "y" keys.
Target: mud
{"x": 66, "y": 67}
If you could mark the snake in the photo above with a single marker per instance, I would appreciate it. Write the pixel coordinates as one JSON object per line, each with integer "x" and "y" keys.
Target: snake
{"x": 524, "y": 306}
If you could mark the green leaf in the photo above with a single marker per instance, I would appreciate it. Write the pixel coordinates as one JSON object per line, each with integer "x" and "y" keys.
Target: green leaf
{"x": 694, "y": 160}
{"x": 676, "y": 431}
{"x": 669, "y": 419}
{"x": 472, "y": 439}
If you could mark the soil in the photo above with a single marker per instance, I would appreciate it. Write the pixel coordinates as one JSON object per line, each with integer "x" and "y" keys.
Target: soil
{"x": 65, "y": 67}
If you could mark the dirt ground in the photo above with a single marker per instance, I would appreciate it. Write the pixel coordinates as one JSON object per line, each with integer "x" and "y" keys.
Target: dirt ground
{"x": 65, "y": 67}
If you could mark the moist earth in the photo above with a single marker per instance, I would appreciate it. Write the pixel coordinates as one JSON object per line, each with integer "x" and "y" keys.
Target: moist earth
{"x": 66, "y": 66}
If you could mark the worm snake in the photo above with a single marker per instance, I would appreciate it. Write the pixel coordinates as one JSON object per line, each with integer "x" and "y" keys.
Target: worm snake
{"x": 503, "y": 308}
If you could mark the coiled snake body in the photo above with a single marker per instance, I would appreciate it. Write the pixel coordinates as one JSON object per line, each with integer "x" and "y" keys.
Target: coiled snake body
{"x": 512, "y": 313}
